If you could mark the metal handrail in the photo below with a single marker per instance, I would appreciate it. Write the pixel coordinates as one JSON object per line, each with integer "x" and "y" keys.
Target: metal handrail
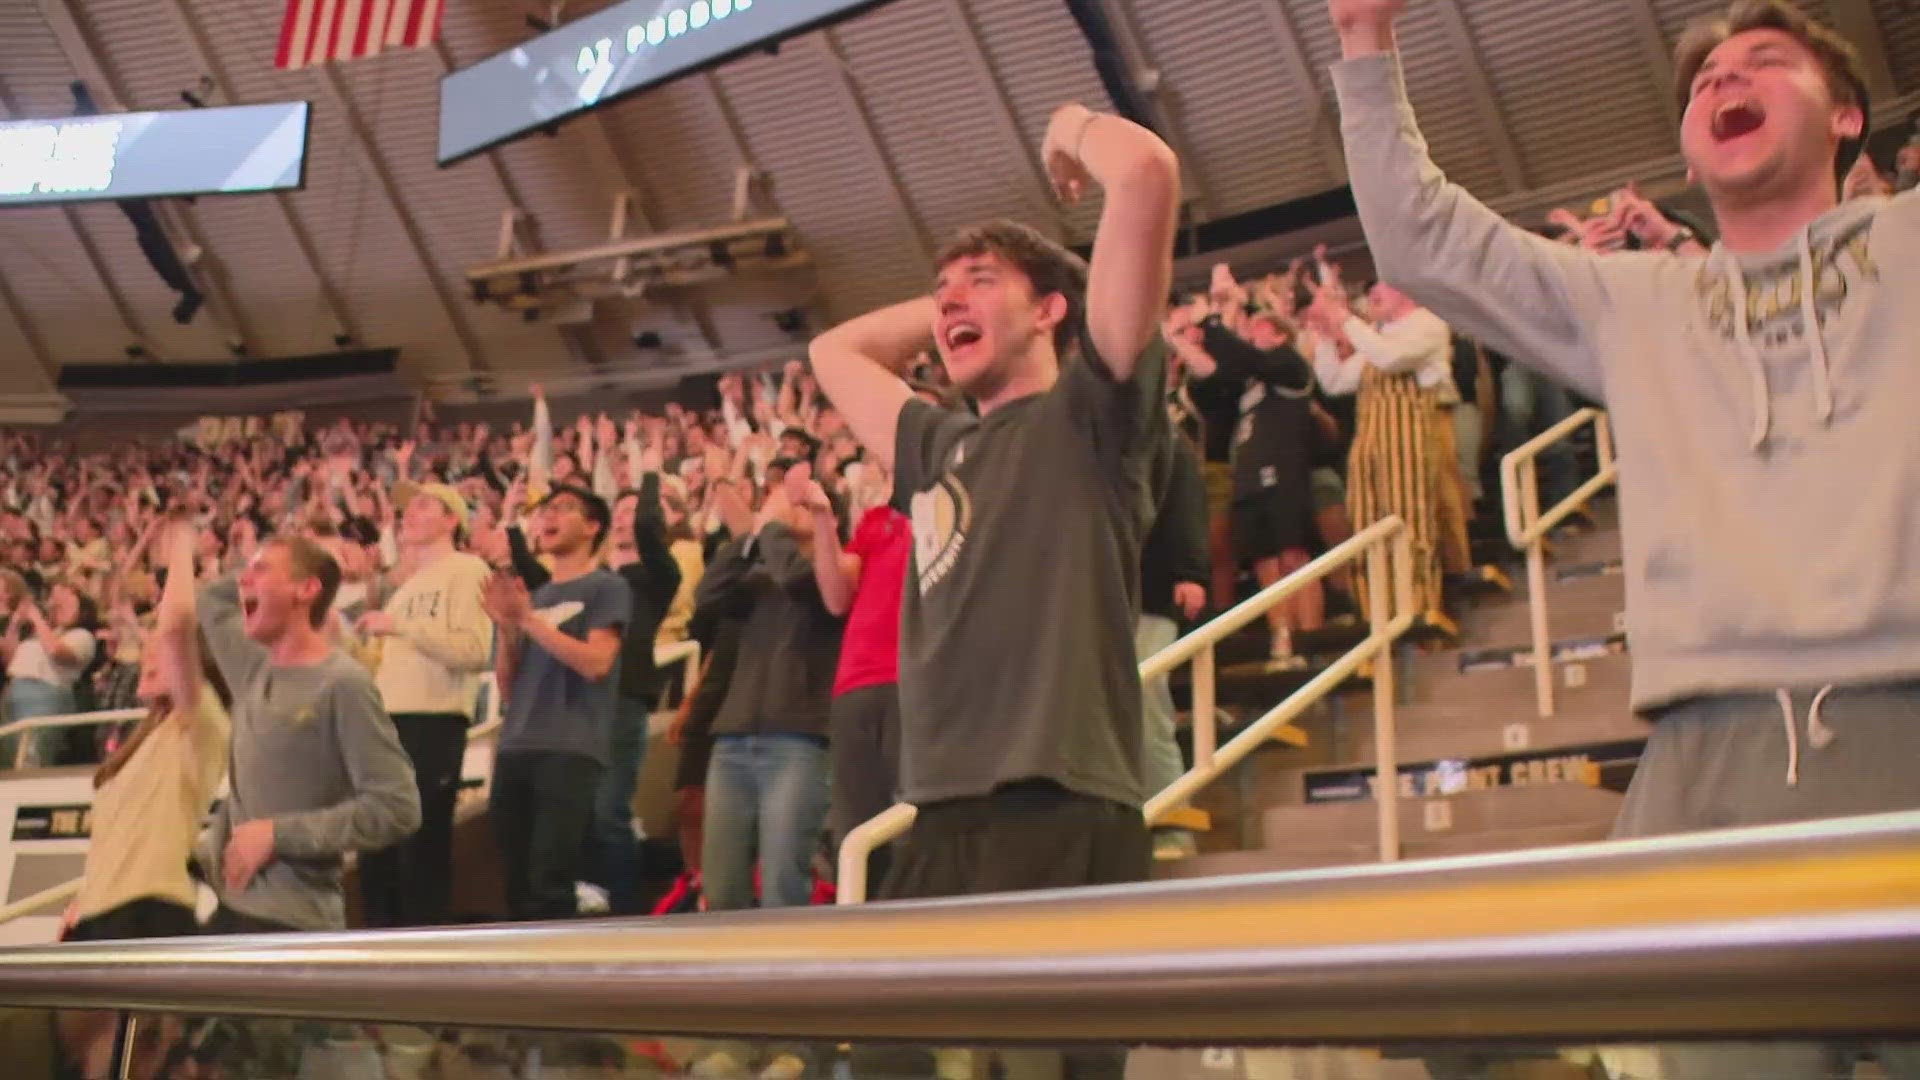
{"x": 1807, "y": 931}
{"x": 1391, "y": 611}
{"x": 62, "y": 720}
{"x": 27, "y": 905}
{"x": 1527, "y": 527}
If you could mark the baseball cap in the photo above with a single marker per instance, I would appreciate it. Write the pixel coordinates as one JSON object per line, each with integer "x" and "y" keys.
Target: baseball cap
{"x": 449, "y": 497}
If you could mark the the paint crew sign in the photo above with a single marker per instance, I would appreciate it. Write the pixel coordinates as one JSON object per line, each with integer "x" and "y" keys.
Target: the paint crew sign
{"x": 52, "y": 823}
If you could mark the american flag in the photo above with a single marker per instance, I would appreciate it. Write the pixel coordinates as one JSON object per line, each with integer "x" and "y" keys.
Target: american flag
{"x": 322, "y": 31}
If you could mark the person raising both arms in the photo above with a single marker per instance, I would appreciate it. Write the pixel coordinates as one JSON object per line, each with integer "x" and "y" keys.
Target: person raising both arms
{"x": 1019, "y": 695}
{"x": 1761, "y": 397}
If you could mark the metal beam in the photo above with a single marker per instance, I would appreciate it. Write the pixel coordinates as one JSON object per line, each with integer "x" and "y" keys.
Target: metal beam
{"x": 9, "y": 110}
{"x": 1472, "y": 66}
{"x": 1147, "y": 78}
{"x": 328, "y": 81}
{"x": 1856, "y": 21}
{"x": 1299, "y": 71}
{"x": 840, "y": 76}
{"x": 1033, "y": 182}
{"x": 174, "y": 218}
{"x": 203, "y": 57}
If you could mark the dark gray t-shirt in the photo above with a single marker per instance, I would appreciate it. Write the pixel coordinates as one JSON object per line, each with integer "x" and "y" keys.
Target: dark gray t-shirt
{"x": 1016, "y": 640}
{"x": 552, "y": 707}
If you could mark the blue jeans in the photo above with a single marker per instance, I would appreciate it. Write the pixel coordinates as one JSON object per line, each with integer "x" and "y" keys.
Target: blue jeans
{"x": 613, "y": 852}
{"x": 765, "y": 793}
{"x": 26, "y": 699}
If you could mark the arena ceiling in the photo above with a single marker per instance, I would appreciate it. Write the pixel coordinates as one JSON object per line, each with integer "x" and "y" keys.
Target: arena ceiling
{"x": 874, "y": 138}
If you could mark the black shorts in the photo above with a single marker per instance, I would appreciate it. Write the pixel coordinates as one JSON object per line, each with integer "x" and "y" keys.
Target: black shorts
{"x": 1274, "y": 520}
{"x": 1030, "y": 835}
{"x": 147, "y": 917}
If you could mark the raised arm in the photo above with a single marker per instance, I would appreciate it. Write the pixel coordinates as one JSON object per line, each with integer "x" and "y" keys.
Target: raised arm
{"x": 835, "y": 570}
{"x": 1491, "y": 280}
{"x": 177, "y": 626}
{"x": 860, "y": 362}
{"x": 1132, "y": 264}
{"x": 1405, "y": 346}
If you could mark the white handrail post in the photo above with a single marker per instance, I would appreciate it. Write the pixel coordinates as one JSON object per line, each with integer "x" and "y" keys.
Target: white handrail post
{"x": 1205, "y": 735}
{"x": 1380, "y": 589}
{"x": 1537, "y": 591}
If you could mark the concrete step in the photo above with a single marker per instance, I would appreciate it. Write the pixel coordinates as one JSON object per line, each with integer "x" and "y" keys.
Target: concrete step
{"x": 1342, "y": 834}
{"x": 1488, "y": 810}
{"x": 1581, "y": 608}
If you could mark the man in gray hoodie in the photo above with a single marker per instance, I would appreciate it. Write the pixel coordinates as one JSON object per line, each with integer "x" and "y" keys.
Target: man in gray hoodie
{"x": 1761, "y": 397}
{"x": 316, "y": 768}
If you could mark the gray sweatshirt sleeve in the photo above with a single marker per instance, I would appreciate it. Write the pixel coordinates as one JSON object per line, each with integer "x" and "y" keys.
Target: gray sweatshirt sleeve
{"x": 1521, "y": 294}
{"x": 385, "y": 805}
{"x": 238, "y": 656}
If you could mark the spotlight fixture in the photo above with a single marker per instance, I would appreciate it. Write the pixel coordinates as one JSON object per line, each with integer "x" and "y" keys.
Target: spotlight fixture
{"x": 776, "y": 245}
{"x": 343, "y": 341}
{"x": 136, "y": 351}
{"x": 791, "y": 321}
{"x": 722, "y": 257}
{"x": 647, "y": 339}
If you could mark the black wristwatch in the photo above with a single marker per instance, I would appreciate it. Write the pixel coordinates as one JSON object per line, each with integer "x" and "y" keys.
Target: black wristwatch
{"x": 1682, "y": 236}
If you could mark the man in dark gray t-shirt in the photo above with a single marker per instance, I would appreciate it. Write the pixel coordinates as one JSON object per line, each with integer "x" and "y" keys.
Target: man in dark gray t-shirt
{"x": 1020, "y": 698}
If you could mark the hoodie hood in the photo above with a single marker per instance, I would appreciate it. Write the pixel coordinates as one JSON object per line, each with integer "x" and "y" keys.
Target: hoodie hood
{"x": 1797, "y": 284}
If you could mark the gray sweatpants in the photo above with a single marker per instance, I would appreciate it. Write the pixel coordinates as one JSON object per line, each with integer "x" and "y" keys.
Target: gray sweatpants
{"x": 1724, "y": 762}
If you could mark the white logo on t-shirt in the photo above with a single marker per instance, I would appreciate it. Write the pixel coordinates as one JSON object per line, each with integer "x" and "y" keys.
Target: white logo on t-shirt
{"x": 940, "y": 515}
{"x": 559, "y": 613}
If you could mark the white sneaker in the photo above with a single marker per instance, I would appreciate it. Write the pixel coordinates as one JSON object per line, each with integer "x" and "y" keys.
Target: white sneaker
{"x": 591, "y": 899}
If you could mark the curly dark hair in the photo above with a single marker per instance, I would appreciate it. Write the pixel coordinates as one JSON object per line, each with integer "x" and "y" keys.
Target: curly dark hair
{"x": 1048, "y": 266}
{"x": 1846, "y": 78}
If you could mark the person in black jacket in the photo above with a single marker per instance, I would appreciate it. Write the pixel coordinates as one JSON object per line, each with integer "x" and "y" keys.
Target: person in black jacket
{"x": 767, "y": 779}
{"x": 639, "y": 555}
{"x": 1273, "y": 449}
{"x": 1173, "y": 589}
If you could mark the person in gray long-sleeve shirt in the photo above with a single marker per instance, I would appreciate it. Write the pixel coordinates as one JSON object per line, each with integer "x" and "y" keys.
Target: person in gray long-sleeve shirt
{"x": 317, "y": 770}
{"x": 767, "y": 778}
{"x": 1761, "y": 397}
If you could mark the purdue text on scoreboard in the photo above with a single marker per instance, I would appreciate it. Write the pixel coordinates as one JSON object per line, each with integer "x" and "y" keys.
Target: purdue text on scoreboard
{"x": 145, "y": 155}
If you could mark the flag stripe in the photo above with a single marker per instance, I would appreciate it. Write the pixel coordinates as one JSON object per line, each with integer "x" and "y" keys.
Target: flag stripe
{"x": 323, "y": 31}
{"x": 429, "y": 24}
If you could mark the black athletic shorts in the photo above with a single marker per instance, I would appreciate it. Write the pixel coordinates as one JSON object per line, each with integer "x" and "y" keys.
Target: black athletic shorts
{"x": 1029, "y": 835}
{"x": 1274, "y": 520}
{"x": 147, "y": 917}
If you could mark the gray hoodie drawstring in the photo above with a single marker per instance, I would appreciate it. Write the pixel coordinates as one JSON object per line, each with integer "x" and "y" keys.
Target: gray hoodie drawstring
{"x": 1819, "y": 735}
{"x": 1816, "y": 341}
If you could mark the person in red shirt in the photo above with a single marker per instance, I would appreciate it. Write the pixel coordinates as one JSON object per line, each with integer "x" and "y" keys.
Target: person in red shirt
{"x": 861, "y": 581}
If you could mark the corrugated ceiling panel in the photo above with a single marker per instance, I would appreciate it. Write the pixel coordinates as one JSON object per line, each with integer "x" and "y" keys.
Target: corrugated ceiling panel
{"x": 456, "y": 210}
{"x": 360, "y": 245}
{"x": 20, "y": 370}
{"x": 250, "y": 248}
{"x": 565, "y": 179}
{"x": 1440, "y": 97}
{"x": 1044, "y": 63}
{"x": 57, "y": 290}
{"x": 149, "y": 297}
{"x": 1578, "y": 103}
{"x": 824, "y": 175}
{"x": 680, "y": 151}
{"x": 141, "y": 46}
{"x": 1443, "y": 98}
{"x": 958, "y": 165}
{"x": 1900, "y": 28}
{"x": 50, "y": 277}
{"x": 1242, "y": 117}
